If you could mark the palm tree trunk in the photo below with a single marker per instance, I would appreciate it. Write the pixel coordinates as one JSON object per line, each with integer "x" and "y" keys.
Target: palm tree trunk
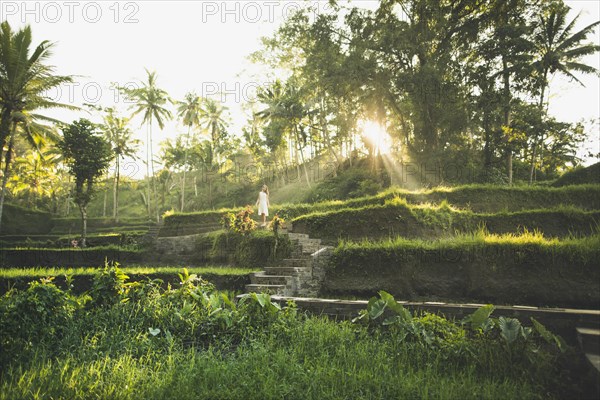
{"x": 185, "y": 156}
{"x": 83, "y": 211}
{"x": 299, "y": 150}
{"x": 153, "y": 180}
{"x": 68, "y": 197}
{"x": 5, "y": 129}
{"x": 506, "y": 78}
{"x": 509, "y": 166}
{"x": 328, "y": 142}
{"x": 210, "y": 201}
{"x": 148, "y": 151}
{"x": 116, "y": 190}
{"x": 105, "y": 196}
{"x": 532, "y": 169}
{"x": 535, "y": 144}
{"x": 7, "y": 160}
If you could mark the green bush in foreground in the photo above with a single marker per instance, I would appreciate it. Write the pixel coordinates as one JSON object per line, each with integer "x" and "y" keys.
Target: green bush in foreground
{"x": 194, "y": 342}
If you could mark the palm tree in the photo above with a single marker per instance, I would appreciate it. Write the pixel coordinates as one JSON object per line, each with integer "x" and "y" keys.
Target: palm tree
{"x": 35, "y": 176}
{"x": 284, "y": 112}
{"x": 559, "y": 50}
{"x": 119, "y": 136}
{"x": 150, "y": 101}
{"x": 213, "y": 122}
{"x": 24, "y": 82}
{"x": 189, "y": 111}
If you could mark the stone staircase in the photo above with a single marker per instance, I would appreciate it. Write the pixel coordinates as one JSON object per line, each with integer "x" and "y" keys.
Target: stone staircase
{"x": 152, "y": 234}
{"x": 589, "y": 343}
{"x": 298, "y": 275}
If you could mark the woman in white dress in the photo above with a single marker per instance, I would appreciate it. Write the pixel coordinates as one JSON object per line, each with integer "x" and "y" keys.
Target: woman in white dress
{"x": 263, "y": 204}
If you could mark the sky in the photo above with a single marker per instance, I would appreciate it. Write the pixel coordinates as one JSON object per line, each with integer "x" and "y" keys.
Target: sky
{"x": 202, "y": 46}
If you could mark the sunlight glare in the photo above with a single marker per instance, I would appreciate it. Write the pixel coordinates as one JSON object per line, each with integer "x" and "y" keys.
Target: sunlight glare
{"x": 377, "y": 137}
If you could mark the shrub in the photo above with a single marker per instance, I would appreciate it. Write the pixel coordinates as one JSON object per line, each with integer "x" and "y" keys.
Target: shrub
{"x": 245, "y": 251}
{"x": 40, "y": 314}
{"x": 355, "y": 182}
{"x": 579, "y": 176}
{"x": 109, "y": 286}
{"x": 276, "y": 224}
{"x": 241, "y": 222}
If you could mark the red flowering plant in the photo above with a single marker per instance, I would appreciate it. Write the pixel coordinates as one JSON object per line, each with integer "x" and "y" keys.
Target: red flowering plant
{"x": 276, "y": 224}
{"x": 243, "y": 222}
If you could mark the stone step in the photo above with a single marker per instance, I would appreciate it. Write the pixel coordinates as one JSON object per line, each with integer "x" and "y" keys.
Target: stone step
{"x": 271, "y": 289}
{"x": 309, "y": 244}
{"x": 310, "y": 250}
{"x": 262, "y": 279}
{"x": 284, "y": 271}
{"x": 315, "y": 242}
{"x": 594, "y": 359}
{"x": 296, "y": 236}
{"x": 308, "y": 241}
{"x": 296, "y": 262}
{"x": 589, "y": 340}
{"x": 297, "y": 253}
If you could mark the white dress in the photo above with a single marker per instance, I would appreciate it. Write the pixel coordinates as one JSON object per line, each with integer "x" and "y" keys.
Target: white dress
{"x": 262, "y": 204}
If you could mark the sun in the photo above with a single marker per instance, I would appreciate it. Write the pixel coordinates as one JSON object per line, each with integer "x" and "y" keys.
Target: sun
{"x": 376, "y": 136}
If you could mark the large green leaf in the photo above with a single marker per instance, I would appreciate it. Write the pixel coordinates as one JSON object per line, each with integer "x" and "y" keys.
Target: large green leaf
{"x": 510, "y": 328}
{"x": 262, "y": 298}
{"x": 376, "y": 307}
{"x": 479, "y": 317}
{"x": 393, "y": 305}
{"x": 549, "y": 336}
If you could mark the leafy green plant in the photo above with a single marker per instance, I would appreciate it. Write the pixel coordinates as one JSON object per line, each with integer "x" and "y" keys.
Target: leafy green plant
{"x": 376, "y": 308}
{"x": 109, "y": 286}
{"x": 41, "y": 314}
{"x": 480, "y": 320}
{"x": 516, "y": 337}
{"x": 548, "y": 336}
{"x": 170, "y": 336}
{"x": 429, "y": 330}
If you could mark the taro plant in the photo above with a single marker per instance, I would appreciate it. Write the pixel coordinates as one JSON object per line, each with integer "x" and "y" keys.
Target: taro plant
{"x": 429, "y": 329}
{"x": 436, "y": 331}
{"x": 259, "y": 313}
{"x": 515, "y": 337}
{"x": 376, "y": 308}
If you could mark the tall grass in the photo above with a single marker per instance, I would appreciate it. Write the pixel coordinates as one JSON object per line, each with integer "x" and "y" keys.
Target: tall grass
{"x": 136, "y": 270}
{"x": 190, "y": 341}
{"x": 480, "y": 238}
{"x": 459, "y": 197}
{"x": 318, "y": 359}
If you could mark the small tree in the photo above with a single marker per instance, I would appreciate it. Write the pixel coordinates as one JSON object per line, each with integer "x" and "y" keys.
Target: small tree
{"x": 87, "y": 155}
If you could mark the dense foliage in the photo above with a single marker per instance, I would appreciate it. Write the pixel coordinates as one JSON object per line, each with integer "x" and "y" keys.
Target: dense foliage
{"x": 127, "y": 340}
{"x": 460, "y": 91}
